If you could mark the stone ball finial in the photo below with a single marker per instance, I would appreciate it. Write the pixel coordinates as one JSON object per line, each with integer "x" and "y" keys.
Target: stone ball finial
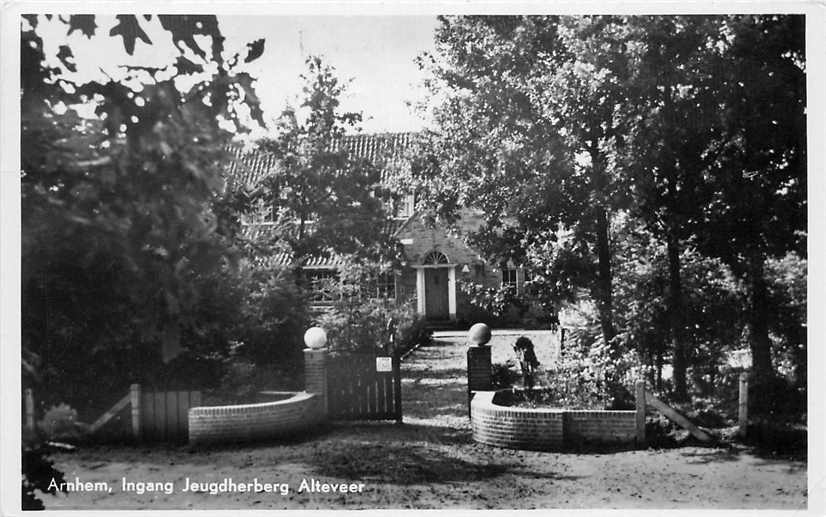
{"x": 479, "y": 334}
{"x": 315, "y": 338}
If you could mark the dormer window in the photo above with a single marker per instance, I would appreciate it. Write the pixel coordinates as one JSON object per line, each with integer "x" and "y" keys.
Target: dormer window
{"x": 262, "y": 214}
{"x": 404, "y": 206}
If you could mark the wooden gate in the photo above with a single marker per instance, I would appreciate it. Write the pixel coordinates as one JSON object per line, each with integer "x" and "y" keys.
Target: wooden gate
{"x": 359, "y": 389}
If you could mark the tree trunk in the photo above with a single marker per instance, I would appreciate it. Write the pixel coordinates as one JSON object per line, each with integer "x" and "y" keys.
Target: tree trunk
{"x": 659, "y": 369}
{"x": 604, "y": 295}
{"x": 675, "y": 314}
{"x": 599, "y": 183}
{"x": 758, "y": 321}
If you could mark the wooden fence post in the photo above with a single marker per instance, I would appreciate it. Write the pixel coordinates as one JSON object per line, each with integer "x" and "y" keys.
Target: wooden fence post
{"x": 743, "y": 407}
{"x": 639, "y": 400}
{"x": 29, "y": 410}
{"x": 397, "y": 386}
{"x": 135, "y": 401}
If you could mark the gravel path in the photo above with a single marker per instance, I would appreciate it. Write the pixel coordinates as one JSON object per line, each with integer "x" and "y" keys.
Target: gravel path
{"x": 430, "y": 461}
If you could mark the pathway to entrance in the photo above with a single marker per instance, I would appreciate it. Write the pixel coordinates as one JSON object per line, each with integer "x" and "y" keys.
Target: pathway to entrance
{"x": 434, "y": 378}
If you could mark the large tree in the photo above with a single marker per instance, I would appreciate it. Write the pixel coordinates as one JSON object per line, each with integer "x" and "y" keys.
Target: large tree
{"x": 757, "y": 180}
{"x": 320, "y": 197}
{"x": 127, "y": 240}
{"x": 692, "y": 125}
{"x": 530, "y": 123}
{"x": 673, "y": 85}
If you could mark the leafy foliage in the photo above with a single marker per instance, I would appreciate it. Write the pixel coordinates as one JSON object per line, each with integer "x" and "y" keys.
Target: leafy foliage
{"x": 360, "y": 321}
{"x": 274, "y": 318}
{"x": 504, "y": 375}
{"x": 128, "y": 248}
{"x": 323, "y": 199}
{"x": 60, "y": 422}
{"x": 38, "y": 473}
{"x": 622, "y": 159}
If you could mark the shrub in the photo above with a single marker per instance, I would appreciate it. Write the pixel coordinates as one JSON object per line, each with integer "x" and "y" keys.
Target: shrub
{"x": 504, "y": 375}
{"x": 412, "y": 329}
{"x": 504, "y": 307}
{"x": 374, "y": 325}
{"x": 275, "y": 316}
{"x": 359, "y": 321}
{"x": 60, "y": 423}
{"x": 243, "y": 380}
{"x": 589, "y": 374}
{"x": 776, "y": 399}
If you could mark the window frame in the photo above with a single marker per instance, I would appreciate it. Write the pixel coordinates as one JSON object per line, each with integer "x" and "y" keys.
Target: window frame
{"x": 507, "y": 282}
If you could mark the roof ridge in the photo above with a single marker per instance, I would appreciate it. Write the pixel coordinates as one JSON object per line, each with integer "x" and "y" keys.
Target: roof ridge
{"x": 250, "y": 166}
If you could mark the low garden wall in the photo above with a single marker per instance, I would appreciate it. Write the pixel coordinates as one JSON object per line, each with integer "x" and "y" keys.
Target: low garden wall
{"x": 495, "y": 423}
{"x": 243, "y": 422}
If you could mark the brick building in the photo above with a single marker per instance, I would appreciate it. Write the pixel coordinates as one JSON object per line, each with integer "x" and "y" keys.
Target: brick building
{"x": 436, "y": 259}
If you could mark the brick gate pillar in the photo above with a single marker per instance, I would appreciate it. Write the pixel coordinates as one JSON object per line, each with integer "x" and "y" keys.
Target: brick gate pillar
{"x": 478, "y": 360}
{"x": 478, "y": 368}
{"x": 315, "y": 366}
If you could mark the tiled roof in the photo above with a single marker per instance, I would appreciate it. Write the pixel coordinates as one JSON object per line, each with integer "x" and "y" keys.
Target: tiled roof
{"x": 383, "y": 149}
{"x": 386, "y": 150}
{"x": 264, "y": 231}
{"x": 285, "y": 259}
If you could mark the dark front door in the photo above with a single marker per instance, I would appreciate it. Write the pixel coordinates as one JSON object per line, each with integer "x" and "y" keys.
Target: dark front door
{"x": 435, "y": 293}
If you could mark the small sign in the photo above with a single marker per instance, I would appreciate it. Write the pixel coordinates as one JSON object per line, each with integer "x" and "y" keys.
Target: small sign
{"x": 384, "y": 364}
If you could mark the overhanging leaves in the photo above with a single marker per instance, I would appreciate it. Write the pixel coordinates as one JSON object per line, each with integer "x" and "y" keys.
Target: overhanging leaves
{"x": 184, "y": 28}
{"x": 85, "y": 23}
{"x": 130, "y": 30}
{"x": 256, "y": 48}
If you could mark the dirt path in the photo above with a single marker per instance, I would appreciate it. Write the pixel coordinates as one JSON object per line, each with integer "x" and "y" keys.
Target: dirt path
{"x": 430, "y": 461}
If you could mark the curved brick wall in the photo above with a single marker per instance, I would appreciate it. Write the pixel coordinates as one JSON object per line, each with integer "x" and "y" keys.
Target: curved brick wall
{"x": 244, "y": 422}
{"x": 494, "y": 423}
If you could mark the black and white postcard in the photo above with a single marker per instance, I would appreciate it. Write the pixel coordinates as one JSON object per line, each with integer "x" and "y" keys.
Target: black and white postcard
{"x": 399, "y": 256}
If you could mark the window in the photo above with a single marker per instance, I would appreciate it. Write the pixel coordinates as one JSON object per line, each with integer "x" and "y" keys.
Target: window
{"x": 404, "y": 206}
{"x": 323, "y": 284}
{"x": 398, "y": 206}
{"x": 263, "y": 213}
{"x": 383, "y": 287}
{"x": 435, "y": 257}
{"x": 509, "y": 278}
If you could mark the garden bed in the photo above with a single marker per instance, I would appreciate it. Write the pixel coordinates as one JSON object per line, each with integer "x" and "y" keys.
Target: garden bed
{"x": 496, "y": 421}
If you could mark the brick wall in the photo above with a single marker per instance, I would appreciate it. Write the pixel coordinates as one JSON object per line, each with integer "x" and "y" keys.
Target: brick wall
{"x": 245, "y": 422}
{"x": 545, "y": 429}
{"x": 600, "y": 426}
{"x": 515, "y": 428}
{"x": 426, "y": 239}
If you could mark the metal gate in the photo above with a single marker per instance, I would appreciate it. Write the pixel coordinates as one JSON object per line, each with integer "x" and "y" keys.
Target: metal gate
{"x": 364, "y": 386}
